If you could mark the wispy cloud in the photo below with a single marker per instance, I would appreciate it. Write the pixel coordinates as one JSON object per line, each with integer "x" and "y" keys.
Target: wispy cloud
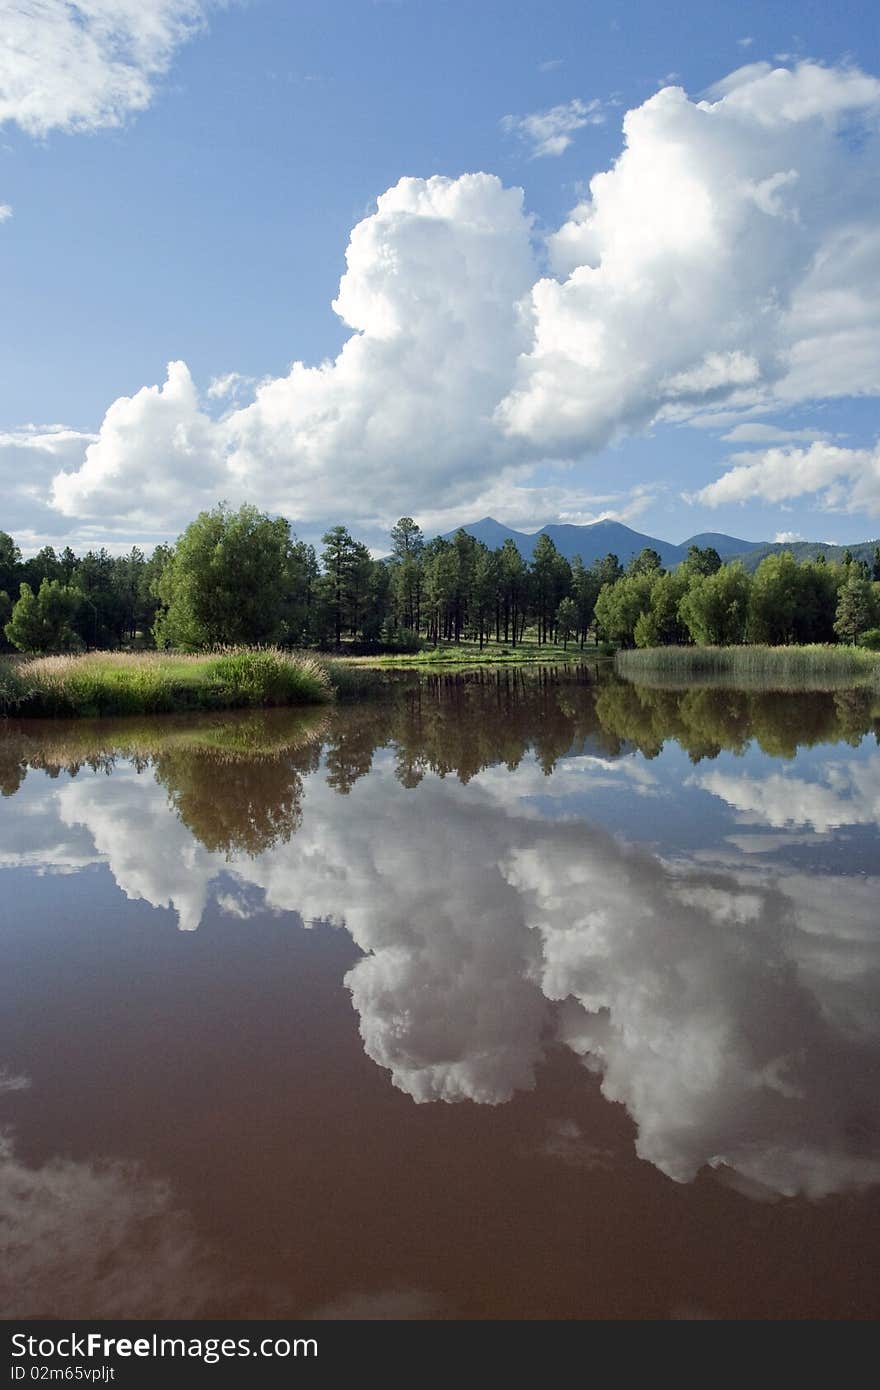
{"x": 551, "y": 132}
{"x": 80, "y": 66}
{"x": 5, "y": 212}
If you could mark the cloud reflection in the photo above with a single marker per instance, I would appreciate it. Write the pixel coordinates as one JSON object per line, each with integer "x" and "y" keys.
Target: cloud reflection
{"x": 730, "y": 1006}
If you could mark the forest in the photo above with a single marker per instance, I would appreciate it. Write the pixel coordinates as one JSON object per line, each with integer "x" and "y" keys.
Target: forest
{"x": 241, "y": 577}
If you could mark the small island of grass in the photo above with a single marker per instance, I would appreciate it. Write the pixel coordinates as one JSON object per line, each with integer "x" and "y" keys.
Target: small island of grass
{"x": 102, "y": 683}
{"x": 783, "y": 668}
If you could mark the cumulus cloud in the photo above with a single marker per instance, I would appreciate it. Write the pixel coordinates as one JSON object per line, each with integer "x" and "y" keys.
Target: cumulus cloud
{"x": 728, "y": 258}
{"x": 703, "y": 264}
{"x": 5, "y": 212}
{"x": 841, "y": 479}
{"x": 787, "y": 537}
{"x": 432, "y": 287}
{"x": 551, "y": 132}
{"x": 77, "y": 65}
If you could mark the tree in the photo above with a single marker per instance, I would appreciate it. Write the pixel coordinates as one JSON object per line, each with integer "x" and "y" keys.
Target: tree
{"x": 566, "y": 620}
{"x": 703, "y": 559}
{"x": 585, "y": 588}
{"x": 875, "y": 568}
{"x": 773, "y": 601}
{"x": 660, "y": 625}
{"x": 406, "y": 539}
{"x": 647, "y": 561}
{"x": 337, "y": 557}
{"x": 10, "y": 566}
{"x": 514, "y": 586}
{"x": 43, "y": 622}
{"x": 715, "y": 607}
{"x": 551, "y": 581}
{"x": 407, "y": 549}
{"x": 855, "y": 608}
{"x": 620, "y": 605}
{"x": 226, "y": 581}
{"x": 608, "y": 570}
{"x": 484, "y": 589}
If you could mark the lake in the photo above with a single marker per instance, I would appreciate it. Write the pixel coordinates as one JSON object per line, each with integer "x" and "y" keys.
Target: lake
{"x": 523, "y": 994}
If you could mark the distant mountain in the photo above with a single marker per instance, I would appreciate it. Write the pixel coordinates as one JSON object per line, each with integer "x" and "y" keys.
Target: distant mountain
{"x": 808, "y": 550}
{"x": 599, "y": 539}
{"x": 728, "y": 547}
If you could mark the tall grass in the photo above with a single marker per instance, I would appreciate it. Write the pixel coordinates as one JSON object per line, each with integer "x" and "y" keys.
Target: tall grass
{"x": 784, "y": 668}
{"x": 102, "y": 683}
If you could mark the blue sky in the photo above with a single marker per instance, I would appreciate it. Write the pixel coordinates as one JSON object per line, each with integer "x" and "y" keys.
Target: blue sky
{"x": 205, "y": 221}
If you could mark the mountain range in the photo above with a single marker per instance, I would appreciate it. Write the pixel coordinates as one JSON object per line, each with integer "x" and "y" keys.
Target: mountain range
{"x": 603, "y": 537}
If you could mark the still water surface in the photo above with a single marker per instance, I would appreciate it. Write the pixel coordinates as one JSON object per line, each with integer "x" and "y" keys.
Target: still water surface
{"x": 513, "y": 996}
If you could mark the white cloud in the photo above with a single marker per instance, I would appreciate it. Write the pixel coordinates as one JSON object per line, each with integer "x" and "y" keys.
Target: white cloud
{"x": 77, "y": 65}
{"x": 229, "y": 385}
{"x": 728, "y": 258}
{"x": 786, "y": 537}
{"x": 551, "y": 132}
{"x": 712, "y": 243}
{"x": 5, "y": 212}
{"x": 842, "y": 479}
{"x": 432, "y": 287}
{"x": 746, "y": 42}
{"x": 759, "y": 433}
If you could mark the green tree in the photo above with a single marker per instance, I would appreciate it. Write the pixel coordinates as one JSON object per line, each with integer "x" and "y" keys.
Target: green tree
{"x": 608, "y": 570}
{"x": 875, "y": 568}
{"x": 856, "y": 608}
{"x": 584, "y": 590}
{"x": 774, "y": 598}
{"x": 703, "y": 559}
{"x": 226, "y": 581}
{"x": 715, "y": 607}
{"x": 514, "y": 586}
{"x": 566, "y": 620}
{"x": 550, "y": 583}
{"x": 407, "y": 550}
{"x": 647, "y": 561}
{"x": 43, "y": 622}
{"x": 660, "y": 625}
{"x": 10, "y": 565}
{"x": 619, "y": 606}
{"x": 484, "y": 591}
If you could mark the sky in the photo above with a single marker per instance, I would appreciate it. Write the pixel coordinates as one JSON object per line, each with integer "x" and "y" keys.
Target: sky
{"x": 354, "y": 259}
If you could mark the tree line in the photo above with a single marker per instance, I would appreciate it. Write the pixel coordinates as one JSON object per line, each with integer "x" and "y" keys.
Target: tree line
{"x": 241, "y": 576}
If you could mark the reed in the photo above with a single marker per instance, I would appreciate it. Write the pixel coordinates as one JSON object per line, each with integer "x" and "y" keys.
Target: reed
{"x": 112, "y": 683}
{"x": 783, "y": 668}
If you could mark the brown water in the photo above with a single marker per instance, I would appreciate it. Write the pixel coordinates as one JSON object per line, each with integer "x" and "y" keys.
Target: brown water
{"x": 507, "y": 997}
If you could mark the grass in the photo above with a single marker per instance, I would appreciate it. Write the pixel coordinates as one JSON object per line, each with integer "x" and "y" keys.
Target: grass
{"x": 785, "y": 668}
{"x": 461, "y": 655}
{"x": 113, "y": 683}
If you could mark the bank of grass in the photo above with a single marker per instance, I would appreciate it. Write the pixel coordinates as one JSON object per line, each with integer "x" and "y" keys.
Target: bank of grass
{"x": 782, "y": 668}
{"x": 129, "y": 683}
{"x": 468, "y": 654}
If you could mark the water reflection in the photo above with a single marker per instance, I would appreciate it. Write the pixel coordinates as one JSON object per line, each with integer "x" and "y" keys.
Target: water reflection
{"x": 726, "y": 996}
